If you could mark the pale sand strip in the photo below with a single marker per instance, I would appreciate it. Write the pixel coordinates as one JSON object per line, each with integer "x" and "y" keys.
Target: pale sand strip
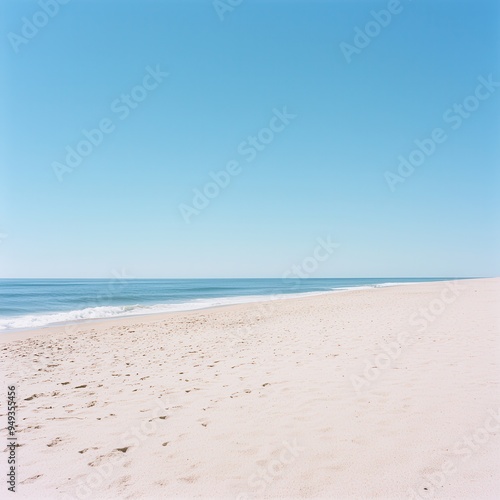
{"x": 201, "y": 408}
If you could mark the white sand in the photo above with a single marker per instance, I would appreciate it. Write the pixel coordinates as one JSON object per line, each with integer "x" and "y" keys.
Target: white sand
{"x": 201, "y": 407}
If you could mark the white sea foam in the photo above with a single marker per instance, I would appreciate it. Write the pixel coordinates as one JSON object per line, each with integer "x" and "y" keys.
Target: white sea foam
{"x": 90, "y": 313}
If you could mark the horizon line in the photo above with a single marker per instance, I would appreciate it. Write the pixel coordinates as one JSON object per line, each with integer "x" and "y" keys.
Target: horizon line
{"x": 245, "y": 277}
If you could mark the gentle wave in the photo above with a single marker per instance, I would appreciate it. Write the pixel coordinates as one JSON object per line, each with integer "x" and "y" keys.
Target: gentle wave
{"x": 145, "y": 291}
{"x": 103, "y": 312}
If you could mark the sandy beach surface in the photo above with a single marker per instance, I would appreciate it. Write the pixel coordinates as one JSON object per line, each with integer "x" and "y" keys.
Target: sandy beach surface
{"x": 383, "y": 393}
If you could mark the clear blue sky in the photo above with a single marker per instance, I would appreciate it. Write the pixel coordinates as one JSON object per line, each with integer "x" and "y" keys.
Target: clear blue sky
{"x": 323, "y": 175}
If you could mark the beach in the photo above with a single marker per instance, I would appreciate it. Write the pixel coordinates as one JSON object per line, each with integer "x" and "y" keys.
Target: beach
{"x": 388, "y": 392}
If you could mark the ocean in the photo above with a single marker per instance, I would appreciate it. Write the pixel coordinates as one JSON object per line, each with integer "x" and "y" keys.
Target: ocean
{"x": 34, "y": 303}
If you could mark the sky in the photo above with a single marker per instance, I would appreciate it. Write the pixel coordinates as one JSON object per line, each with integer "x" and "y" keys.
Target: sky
{"x": 303, "y": 111}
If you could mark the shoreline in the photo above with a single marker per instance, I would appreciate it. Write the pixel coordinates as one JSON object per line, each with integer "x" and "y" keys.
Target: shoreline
{"x": 389, "y": 393}
{"x": 70, "y": 325}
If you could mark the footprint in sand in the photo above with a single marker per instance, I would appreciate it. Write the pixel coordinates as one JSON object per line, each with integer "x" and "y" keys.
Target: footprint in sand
{"x": 104, "y": 458}
{"x": 87, "y": 449}
{"x": 31, "y": 479}
{"x": 189, "y": 479}
{"x": 54, "y": 442}
{"x": 34, "y": 396}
